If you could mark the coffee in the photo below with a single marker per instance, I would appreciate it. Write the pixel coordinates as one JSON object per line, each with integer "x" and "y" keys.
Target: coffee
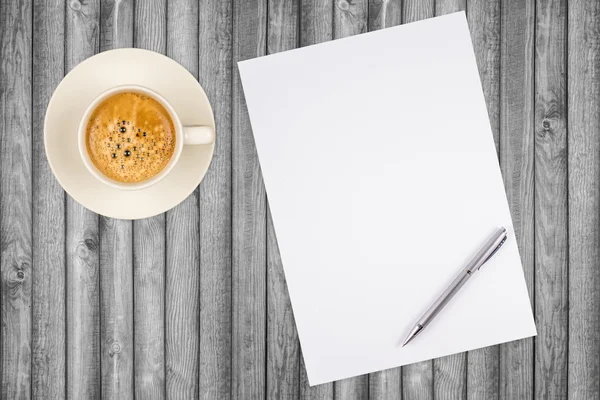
{"x": 130, "y": 137}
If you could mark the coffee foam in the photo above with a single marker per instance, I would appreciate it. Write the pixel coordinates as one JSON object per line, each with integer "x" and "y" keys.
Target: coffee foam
{"x": 130, "y": 137}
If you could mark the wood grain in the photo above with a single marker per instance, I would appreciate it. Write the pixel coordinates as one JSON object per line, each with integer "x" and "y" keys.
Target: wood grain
{"x": 551, "y": 197}
{"x": 149, "y": 240}
{"x": 182, "y": 283}
{"x": 116, "y": 304}
{"x": 584, "y": 187}
{"x": 82, "y": 246}
{"x": 316, "y": 26}
{"x": 516, "y": 162}
{"x": 68, "y": 330}
{"x": 215, "y": 75}
{"x": 483, "y": 17}
{"x": 16, "y": 197}
{"x": 116, "y": 24}
{"x": 417, "y": 379}
{"x": 49, "y": 261}
{"x": 385, "y": 385}
{"x": 249, "y": 229}
{"x": 283, "y": 349}
{"x": 116, "y": 244}
{"x": 351, "y": 18}
{"x": 384, "y": 14}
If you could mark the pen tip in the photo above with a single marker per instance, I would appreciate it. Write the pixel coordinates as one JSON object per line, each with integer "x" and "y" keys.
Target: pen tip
{"x": 414, "y": 332}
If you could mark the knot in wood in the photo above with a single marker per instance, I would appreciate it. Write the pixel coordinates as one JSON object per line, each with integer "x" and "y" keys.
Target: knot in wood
{"x": 75, "y": 5}
{"x": 115, "y": 347}
{"x": 20, "y": 274}
{"x": 82, "y": 251}
{"x": 343, "y": 5}
{"x": 546, "y": 124}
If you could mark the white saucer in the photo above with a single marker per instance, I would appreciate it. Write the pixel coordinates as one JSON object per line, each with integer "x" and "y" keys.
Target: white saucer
{"x": 89, "y": 79}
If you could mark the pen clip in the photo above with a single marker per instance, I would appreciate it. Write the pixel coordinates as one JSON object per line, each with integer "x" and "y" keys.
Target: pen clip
{"x": 494, "y": 252}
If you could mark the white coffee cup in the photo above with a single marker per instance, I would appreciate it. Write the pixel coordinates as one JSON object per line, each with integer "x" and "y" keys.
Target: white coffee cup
{"x": 184, "y": 135}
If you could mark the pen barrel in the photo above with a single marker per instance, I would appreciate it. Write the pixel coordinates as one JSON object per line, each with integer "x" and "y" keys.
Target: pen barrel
{"x": 441, "y": 302}
{"x": 490, "y": 247}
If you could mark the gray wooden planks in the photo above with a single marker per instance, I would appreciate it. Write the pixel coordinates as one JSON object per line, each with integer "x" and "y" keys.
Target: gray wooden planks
{"x": 516, "y": 161}
{"x": 82, "y": 245}
{"x": 182, "y": 282}
{"x": 99, "y": 323}
{"x": 417, "y": 379}
{"x": 583, "y": 203}
{"x": 551, "y": 224}
{"x": 215, "y": 75}
{"x": 351, "y": 18}
{"x": 248, "y": 217}
{"x": 316, "y": 26}
{"x": 483, "y": 17}
{"x": 116, "y": 246}
{"x": 283, "y": 349}
{"x": 16, "y": 197}
{"x": 149, "y": 240}
{"x": 49, "y": 329}
{"x": 385, "y": 385}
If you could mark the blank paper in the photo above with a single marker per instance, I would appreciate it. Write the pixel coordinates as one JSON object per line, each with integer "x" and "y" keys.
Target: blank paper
{"x": 383, "y": 181}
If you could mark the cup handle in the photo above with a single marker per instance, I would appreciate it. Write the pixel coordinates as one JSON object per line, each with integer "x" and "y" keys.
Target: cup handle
{"x": 198, "y": 135}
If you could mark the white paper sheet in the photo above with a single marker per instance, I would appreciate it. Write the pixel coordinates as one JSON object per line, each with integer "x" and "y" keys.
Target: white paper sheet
{"x": 383, "y": 181}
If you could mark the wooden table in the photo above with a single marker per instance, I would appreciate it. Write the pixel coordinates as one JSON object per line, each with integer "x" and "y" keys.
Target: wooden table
{"x": 193, "y": 302}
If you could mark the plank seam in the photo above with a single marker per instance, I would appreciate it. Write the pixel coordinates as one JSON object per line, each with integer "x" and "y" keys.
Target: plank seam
{"x": 231, "y": 205}
{"x": 133, "y": 264}
{"x": 533, "y": 122}
{"x": 568, "y": 225}
{"x": 31, "y": 297}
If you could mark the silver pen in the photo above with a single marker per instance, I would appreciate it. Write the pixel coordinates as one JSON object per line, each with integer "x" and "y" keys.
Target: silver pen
{"x": 486, "y": 252}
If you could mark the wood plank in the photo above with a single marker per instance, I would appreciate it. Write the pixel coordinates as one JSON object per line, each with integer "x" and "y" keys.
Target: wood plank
{"x": 483, "y": 17}
{"x": 516, "y": 160}
{"x": 385, "y": 385}
{"x": 215, "y": 49}
{"x": 182, "y": 283}
{"x": 416, "y": 10}
{"x": 49, "y": 329}
{"x": 351, "y": 18}
{"x": 384, "y": 14}
{"x": 82, "y": 246}
{"x": 584, "y": 186}
{"x": 283, "y": 349}
{"x": 149, "y": 240}
{"x": 450, "y": 373}
{"x": 249, "y": 217}
{"x": 116, "y": 246}
{"x": 316, "y": 26}
{"x": 15, "y": 197}
{"x": 417, "y": 379}
{"x": 116, "y": 283}
{"x": 551, "y": 196}
{"x": 116, "y": 24}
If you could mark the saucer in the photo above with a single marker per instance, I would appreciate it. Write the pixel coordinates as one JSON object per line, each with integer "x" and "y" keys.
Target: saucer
{"x": 91, "y": 78}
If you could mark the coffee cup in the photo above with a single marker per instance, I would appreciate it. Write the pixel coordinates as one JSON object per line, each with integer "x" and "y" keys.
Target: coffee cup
{"x": 183, "y": 136}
